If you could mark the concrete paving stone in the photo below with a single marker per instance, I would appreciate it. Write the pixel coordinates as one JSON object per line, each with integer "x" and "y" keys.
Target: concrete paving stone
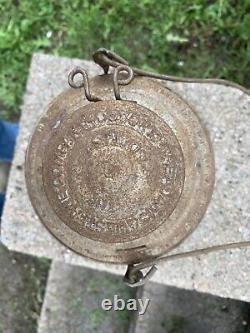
{"x": 22, "y": 280}
{"x": 174, "y": 310}
{"x": 226, "y": 114}
{"x": 72, "y": 302}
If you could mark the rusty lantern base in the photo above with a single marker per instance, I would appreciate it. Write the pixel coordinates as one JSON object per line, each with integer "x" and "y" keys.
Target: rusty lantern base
{"x": 120, "y": 181}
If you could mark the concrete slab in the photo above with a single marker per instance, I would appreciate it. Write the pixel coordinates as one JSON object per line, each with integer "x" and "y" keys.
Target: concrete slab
{"x": 73, "y": 299}
{"x": 177, "y": 310}
{"x": 22, "y": 280}
{"x": 226, "y": 113}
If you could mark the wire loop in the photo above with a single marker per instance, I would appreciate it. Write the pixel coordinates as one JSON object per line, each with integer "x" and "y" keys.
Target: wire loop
{"x": 121, "y": 81}
{"x": 82, "y": 84}
{"x": 135, "y": 278}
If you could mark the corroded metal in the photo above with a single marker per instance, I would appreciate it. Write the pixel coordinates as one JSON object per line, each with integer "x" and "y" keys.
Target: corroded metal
{"x": 114, "y": 172}
{"x": 120, "y": 181}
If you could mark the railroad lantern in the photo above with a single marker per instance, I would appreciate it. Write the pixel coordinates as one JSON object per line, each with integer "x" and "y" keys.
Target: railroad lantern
{"x": 119, "y": 168}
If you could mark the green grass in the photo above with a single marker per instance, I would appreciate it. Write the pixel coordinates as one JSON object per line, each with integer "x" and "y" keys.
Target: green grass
{"x": 190, "y": 37}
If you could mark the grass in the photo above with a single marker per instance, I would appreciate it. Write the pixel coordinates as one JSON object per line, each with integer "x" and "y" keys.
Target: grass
{"x": 190, "y": 37}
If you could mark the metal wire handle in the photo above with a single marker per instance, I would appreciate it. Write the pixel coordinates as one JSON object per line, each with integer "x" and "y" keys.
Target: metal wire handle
{"x": 106, "y": 58}
{"x": 134, "y": 276}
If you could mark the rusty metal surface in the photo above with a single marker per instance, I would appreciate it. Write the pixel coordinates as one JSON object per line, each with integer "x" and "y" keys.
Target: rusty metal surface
{"x": 120, "y": 181}
{"x": 114, "y": 171}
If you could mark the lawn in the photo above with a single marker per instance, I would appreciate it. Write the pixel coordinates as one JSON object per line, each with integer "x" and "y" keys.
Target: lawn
{"x": 189, "y": 37}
